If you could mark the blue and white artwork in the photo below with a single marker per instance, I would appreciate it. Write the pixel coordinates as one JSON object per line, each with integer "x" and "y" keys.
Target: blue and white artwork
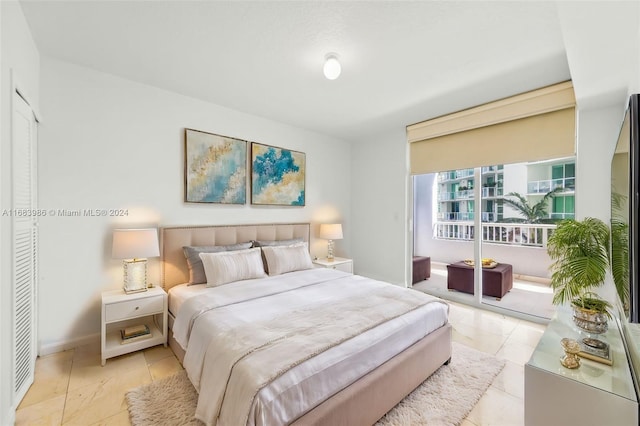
{"x": 277, "y": 176}
{"x": 215, "y": 168}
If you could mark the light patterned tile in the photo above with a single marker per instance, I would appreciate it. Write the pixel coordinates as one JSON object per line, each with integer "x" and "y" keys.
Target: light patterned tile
{"x": 164, "y": 368}
{"x": 52, "y": 376}
{"x": 511, "y": 380}
{"x": 99, "y": 400}
{"x": 84, "y": 374}
{"x": 467, "y": 422}
{"x": 528, "y": 333}
{"x": 120, "y": 419}
{"x": 45, "y": 413}
{"x": 478, "y": 339}
{"x": 87, "y": 354}
{"x": 488, "y": 321}
{"x": 157, "y": 353}
{"x": 518, "y": 353}
{"x": 492, "y": 322}
{"x": 497, "y": 408}
{"x": 460, "y": 313}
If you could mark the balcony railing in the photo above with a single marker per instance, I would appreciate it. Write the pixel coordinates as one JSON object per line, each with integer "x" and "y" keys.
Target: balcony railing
{"x": 465, "y": 194}
{"x": 446, "y": 196}
{"x": 520, "y": 234}
{"x": 454, "y": 175}
{"x": 455, "y": 216}
{"x": 468, "y": 194}
{"x": 492, "y": 169}
{"x": 464, "y": 173}
{"x": 544, "y": 186}
{"x": 489, "y": 216}
{"x": 490, "y": 192}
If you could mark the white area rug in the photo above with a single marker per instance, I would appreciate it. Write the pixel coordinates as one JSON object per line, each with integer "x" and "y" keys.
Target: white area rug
{"x": 444, "y": 399}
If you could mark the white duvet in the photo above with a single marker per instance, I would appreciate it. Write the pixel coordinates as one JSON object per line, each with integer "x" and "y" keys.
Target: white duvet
{"x": 217, "y": 321}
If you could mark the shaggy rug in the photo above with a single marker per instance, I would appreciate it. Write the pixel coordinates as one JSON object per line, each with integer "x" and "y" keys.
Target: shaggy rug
{"x": 443, "y": 399}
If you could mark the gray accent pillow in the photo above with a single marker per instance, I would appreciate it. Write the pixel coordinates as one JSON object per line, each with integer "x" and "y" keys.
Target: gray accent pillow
{"x": 274, "y": 243}
{"x": 196, "y": 269}
{"x": 277, "y": 242}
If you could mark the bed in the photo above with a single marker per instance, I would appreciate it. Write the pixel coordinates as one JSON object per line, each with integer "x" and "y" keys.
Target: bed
{"x": 354, "y": 380}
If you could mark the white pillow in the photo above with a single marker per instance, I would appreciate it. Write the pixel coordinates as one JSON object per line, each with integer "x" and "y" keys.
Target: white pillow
{"x": 225, "y": 267}
{"x": 281, "y": 259}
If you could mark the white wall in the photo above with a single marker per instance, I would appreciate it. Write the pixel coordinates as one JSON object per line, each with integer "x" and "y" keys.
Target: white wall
{"x": 110, "y": 143}
{"x": 379, "y": 207}
{"x": 598, "y": 131}
{"x": 19, "y": 54}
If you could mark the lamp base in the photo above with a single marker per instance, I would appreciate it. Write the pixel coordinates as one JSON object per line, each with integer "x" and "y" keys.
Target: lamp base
{"x": 330, "y": 251}
{"x": 135, "y": 275}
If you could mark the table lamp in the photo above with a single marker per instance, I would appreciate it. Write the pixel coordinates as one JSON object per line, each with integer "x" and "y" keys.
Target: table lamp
{"x": 134, "y": 246}
{"x": 330, "y": 231}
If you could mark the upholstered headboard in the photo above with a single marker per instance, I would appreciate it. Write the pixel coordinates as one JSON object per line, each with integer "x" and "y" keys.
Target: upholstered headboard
{"x": 174, "y": 268}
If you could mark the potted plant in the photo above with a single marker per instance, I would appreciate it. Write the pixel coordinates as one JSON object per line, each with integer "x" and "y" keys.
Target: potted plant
{"x": 580, "y": 253}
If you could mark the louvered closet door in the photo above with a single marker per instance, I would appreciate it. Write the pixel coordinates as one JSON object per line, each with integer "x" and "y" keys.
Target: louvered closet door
{"x": 24, "y": 246}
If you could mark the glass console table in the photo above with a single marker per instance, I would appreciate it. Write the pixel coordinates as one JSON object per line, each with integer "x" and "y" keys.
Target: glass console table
{"x": 594, "y": 393}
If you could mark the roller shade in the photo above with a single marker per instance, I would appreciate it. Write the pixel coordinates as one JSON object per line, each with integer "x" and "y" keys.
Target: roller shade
{"x": 533, "y": 126}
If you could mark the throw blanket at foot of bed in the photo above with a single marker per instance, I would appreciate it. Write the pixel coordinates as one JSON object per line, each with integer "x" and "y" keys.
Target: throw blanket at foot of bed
{"x": 242, "y": 359}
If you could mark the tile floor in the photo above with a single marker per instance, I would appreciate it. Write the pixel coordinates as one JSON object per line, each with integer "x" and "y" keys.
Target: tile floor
{"x": 71, "y": 388}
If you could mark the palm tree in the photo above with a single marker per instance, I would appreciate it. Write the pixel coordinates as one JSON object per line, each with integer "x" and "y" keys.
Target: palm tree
{"x": 536, "y": 213}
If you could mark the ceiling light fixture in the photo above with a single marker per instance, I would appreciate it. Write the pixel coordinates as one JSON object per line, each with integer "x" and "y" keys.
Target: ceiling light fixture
{"x": 331, "y": 67}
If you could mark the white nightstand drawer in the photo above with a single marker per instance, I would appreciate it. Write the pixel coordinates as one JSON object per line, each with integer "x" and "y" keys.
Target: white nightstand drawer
{"x": 339, "y": 263}
{"x": 133, "y": 308}
{"x": 346, "y": 267}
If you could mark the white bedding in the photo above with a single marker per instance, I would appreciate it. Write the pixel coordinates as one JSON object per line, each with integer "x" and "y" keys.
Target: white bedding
{"x": 244, "y": 303}
{"x": 181, "y": 292}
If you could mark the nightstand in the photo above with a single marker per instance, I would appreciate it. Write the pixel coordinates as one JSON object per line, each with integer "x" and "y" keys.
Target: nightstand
{"x": 120, "y": 310}
{"x": 339, "y": 263}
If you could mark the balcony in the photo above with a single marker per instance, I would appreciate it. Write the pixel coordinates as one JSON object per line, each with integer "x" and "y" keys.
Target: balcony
{"x": 492, "y": 169}
{"x": 465, "y": 194}
{"x": 464, "y": 173}
{"x": 544, "y": 186}
{"x": 446, "y": 176}
{"x": 455, "y": 216}
{"x": 454, "y": 175}
{"x": 446, "y": 196}
{"x": 489, "y": 216}
{"x": 519, "y": 234}
{"x": 492, "y": 192}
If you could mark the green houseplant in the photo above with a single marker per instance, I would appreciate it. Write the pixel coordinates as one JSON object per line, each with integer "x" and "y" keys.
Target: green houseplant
{"x": 579, "y": 250}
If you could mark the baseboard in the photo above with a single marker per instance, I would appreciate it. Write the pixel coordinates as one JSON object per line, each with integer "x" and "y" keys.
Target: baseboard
{"x": 64, "y": 345}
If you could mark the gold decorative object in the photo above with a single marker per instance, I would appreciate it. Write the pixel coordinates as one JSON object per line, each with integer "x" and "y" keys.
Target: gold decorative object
{"x": 571, "y": 349}
{"x": 486, "y": 263}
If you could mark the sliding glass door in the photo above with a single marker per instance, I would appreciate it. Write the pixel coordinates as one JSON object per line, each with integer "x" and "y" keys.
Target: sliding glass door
{"x": 485, "y": 230}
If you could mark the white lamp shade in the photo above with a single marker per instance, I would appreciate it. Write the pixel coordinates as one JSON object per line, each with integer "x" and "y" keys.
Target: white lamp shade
{"x": 135, "y": 243}
{"x": 331, "y": 67}
{"x": 331, "y": 231}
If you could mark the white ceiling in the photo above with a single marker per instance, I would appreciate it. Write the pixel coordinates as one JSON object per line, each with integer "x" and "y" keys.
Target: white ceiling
{"x": 402, "y": 62}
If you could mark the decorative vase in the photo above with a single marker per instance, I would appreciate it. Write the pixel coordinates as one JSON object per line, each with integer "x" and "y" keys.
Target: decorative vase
{"x": 590, "y": 321}
{"x": 571, "y": 349}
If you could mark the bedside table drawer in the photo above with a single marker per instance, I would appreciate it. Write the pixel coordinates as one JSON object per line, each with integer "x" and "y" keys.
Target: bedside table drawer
{"x": 133, "y": 308}
{"x": 345, "y": 267}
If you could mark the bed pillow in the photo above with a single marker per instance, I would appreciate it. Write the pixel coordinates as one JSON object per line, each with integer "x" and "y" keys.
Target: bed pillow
{"x": 192, "y": 254}
{"x": 265, "y": 243}
{"x": 281, "y": 259}
{"x": 229, "y": 266}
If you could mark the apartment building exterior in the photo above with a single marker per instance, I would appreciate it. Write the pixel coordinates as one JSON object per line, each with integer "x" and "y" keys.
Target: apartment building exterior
{"x": 456, "y": 200}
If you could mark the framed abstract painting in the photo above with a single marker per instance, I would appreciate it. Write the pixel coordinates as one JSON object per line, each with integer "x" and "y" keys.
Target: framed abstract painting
{"x": 277, "y": 176}
{"x": 215, "y": 168}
